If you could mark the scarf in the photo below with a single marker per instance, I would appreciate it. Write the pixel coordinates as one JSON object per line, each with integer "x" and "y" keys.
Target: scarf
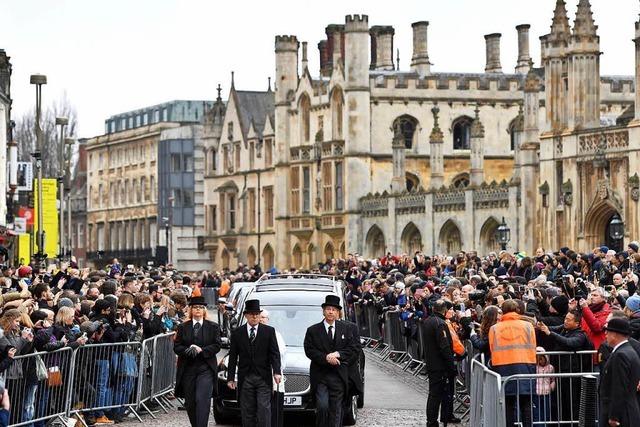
{"x": 597, "y": 307}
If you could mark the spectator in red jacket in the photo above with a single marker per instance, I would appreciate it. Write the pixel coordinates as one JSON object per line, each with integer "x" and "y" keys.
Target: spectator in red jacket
{"x": 594, "y": 316}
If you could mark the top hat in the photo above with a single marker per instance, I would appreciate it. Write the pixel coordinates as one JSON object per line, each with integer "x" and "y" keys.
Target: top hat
{"x": 619, "y": 325}
{"x": 197, "y": 301}
{"x": 332, "y": 301}
{"x": 252, "y": 306}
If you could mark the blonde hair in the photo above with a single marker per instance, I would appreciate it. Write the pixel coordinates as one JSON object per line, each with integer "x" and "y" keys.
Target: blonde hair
{"x": 7, "y": 319}
{"x": 204, "y": 315}
{"x": 64, "y": 314}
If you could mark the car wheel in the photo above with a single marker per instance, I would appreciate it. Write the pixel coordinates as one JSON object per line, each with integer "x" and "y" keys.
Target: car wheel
{"x": 351, "y": 413}
{"x": 220, "y": 415}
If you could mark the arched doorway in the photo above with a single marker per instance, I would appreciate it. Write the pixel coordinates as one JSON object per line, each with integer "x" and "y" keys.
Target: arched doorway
{"x": 267, "y": 257}
{"x": 311, "y": 256}
{"x": 225, "y": 259}
{"x": 297, "y": 257}
{"x": 596, "y": 226}
{"x": 411, "y": 239}
{"x": 251, "y": 257}
{"x": 488, "y": 241}
{"x": 450, "y": 240}
{"x": 375, "y": 243}
{"x": 328, "y": 252}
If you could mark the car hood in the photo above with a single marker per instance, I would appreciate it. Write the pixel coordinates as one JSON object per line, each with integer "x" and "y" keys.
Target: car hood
{"x": 296, "y": 360}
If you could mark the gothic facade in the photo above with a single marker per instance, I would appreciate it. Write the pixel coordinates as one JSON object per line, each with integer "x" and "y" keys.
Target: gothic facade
{"x": 363, "y": 157}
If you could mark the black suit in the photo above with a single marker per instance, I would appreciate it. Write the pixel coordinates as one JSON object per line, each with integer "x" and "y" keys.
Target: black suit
{"x": 195, "y": 378}
{"x": 256, "y": 362}
{"x": 619, "y": 380}
{"x": 355, "y": 379}
{"x": 440, "y": 367}
{"x": 329, "y": 383}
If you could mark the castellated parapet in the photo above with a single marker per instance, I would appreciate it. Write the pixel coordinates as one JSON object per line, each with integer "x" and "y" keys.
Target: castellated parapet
{"x": 356, "y": 23}
{"x": 287, "y": 43}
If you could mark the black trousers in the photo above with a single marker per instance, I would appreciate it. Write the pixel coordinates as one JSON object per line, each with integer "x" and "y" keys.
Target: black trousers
{"x": 198, "y": 387}
{"x": 518, "y": 410}
{"x": 277, "y": 409}
{"x": 255, "y": 402}
{"x": 330, "y": 394}
{"x": 436, "y": 403}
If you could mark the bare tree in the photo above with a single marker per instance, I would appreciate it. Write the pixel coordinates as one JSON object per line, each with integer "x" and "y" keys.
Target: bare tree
{"x": 25, "y": 135}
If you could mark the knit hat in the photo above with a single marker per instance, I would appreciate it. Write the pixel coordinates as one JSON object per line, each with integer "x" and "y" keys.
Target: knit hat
{"x": 633, "y": 303}
{"x": 560, "y": 304}
{"x": 65, "y": 302}
{"x": 24, "y": 271}
{"x": 604, "y": 249}
{"x": 633, "y": 246}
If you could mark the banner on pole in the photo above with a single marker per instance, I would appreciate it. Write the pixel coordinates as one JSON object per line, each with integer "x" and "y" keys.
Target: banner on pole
{"x": 49, "y": 215}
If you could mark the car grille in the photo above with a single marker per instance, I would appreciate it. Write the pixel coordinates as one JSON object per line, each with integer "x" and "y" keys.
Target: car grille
{"x": 296, "y": 383}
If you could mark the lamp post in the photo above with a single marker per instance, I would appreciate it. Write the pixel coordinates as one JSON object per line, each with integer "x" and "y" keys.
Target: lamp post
{"x": 616, "y": 228}
{"x": 62, "y": 122}
{"x": 165, "y": 220}
{"x": 38, "y": 80}
{"x": 503, "y": 235}
{"x": 67, "y": 175}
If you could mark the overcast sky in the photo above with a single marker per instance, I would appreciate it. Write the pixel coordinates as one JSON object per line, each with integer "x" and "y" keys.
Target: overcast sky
{"x": 117, "y": 55}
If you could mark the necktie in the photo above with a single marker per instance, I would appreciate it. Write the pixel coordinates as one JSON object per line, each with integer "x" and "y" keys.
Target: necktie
{"x": 196, "y": 328}
{"x": 252, "y": 335}
{"x": 330, "y": 333}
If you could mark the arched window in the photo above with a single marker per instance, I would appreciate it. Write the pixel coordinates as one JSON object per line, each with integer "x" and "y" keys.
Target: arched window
{"x": 412, "y": 181}
{"x": 460, "y": 181}
{"x": 297, "y": 257}
{"x": 336, "y": 112}
{"x": 407, "y": 126}
{"x": 305, "y": 107}
{"x": 513, "y": 134}
{"x": 461, "y": 133}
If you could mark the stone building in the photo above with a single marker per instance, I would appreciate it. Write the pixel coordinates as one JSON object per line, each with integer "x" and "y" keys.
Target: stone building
{"x": 78, "y": 197}
{"x": 5, "y": 131}
{"x": 369, "y": 158}
{"x": 125, "y": 199}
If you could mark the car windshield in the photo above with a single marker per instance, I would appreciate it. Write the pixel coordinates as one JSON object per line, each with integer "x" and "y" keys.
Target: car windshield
{"x": 292, "y": 322}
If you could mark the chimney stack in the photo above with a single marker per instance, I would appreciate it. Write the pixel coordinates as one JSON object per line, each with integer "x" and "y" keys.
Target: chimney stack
{"x": 305, "y": 60}
{"x": 335, "y": 43}
{"x": 382, "y": 41}
{"x": 420, "y": 58}
{"x": 325, "y": 65}
{"x": 493, "y": 53}
{"x": 524, "y": 58}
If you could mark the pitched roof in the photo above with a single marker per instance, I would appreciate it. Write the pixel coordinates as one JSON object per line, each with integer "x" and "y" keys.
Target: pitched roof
{"x": 254, "y": 107}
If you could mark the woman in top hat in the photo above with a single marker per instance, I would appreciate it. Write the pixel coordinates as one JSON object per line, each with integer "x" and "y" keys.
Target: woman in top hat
{"x": 329, "y": 344}
{"x": 197, "y": 343}
{"x": 254, "y": 350}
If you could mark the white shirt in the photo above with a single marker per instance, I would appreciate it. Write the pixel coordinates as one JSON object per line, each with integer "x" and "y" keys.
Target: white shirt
{"x": 326, "y": 328}
{"x": 198, "y": 322}
{"x": 618, "y": 345}
{"x": 255, "y": 328}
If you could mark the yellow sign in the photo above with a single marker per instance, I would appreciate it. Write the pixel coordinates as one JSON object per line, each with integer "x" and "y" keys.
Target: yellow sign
{"x": 49, "y": 215}
{"x": 24, "y": 249}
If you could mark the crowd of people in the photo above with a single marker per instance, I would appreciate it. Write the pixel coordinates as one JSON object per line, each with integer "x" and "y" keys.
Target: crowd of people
{"x": 508, "y": 305}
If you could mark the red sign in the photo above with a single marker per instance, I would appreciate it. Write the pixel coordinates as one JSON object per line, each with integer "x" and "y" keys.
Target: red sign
{"x": 26, "y": 213}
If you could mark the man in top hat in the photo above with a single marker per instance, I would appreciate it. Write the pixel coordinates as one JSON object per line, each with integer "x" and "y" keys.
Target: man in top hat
{"x": 254, "y": 350}
{"x": 330, "y": 345}
{"x": 197, "y": 343}
{"x": 620, "y": 378}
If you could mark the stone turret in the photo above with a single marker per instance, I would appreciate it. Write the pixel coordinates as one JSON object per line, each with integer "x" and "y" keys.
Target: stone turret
{"x": 493, "y": 53}
{"x": 477, "y": 150}
{"x": 305, "y": 60}
{"x": 554, "y": 60}
{"x": 399, "y": 150}
{"x": 286, "y": 66}
{"x": 436, "y": 159}
{"x": 420, "y": 58}
{"x": 583, "y": 71}
{"x": 637, "y": 85}
{"x": 382, "y": 47}
{"x": 524, "y": 57}
{"x": 518, "y": 133}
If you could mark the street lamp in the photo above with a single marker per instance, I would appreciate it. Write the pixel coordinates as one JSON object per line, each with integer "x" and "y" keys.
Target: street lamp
{"x": 165, "y": 220}
{"x": 38, "y": 80}
{"x": 503, "y": 235}
{"x": 616, "y": 228}
{"x": 69, "y": 142}
{"x": 62, "y": 122}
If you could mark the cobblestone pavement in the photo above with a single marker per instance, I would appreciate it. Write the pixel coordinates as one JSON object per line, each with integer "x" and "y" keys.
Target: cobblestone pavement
{"x": 392, "y": 397}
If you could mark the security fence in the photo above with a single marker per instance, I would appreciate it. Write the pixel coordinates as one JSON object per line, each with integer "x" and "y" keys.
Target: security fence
{"x": 92, "y": 379}
{"x": 567, "y": 396}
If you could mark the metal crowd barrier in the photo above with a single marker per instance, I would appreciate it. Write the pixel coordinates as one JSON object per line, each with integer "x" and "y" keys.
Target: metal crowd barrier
{"x": 487, "y": 409}
{"x": 39, "y": 386}
{"x": 91, "y": 380}
{"x": 210, "y": 296}
{"x": 104, "y": 378}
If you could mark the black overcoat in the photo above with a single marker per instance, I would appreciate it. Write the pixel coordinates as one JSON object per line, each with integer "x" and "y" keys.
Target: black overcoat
{"x": 211, "y": 347}
{"x": 618, "y": 381}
